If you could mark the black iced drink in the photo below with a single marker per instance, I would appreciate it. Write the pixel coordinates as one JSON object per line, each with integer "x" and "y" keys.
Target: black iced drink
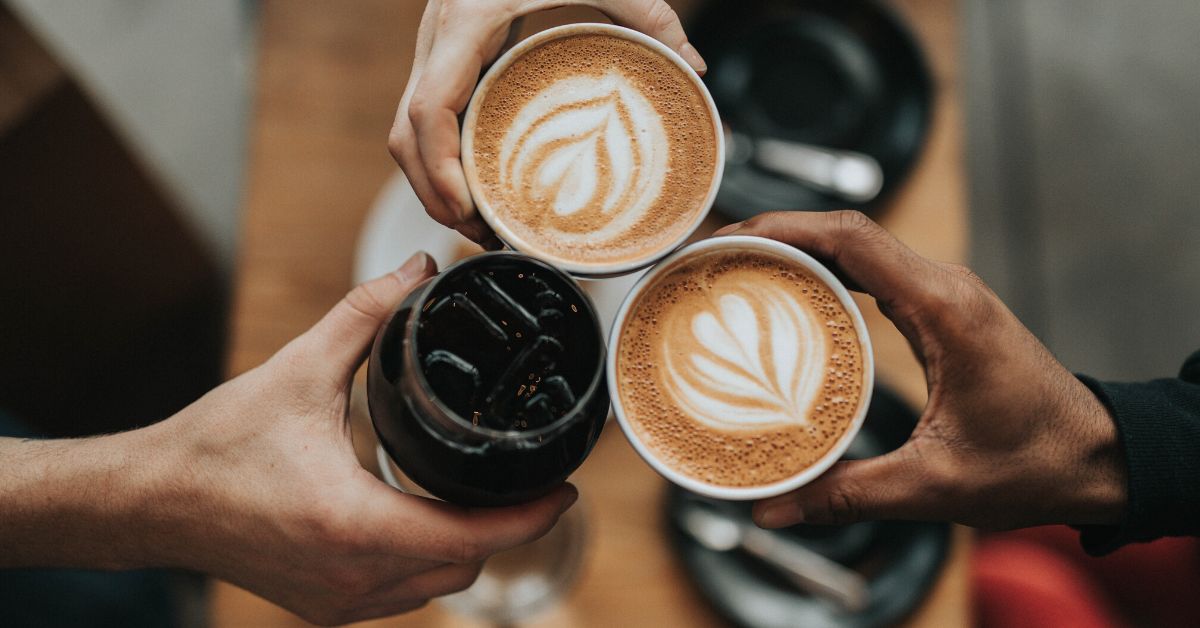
{"x": 487, "y": 385}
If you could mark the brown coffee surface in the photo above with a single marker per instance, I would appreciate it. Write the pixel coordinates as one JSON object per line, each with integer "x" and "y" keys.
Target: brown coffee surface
{"x": 595, "y": 149}
{"x": 715, "y": 404}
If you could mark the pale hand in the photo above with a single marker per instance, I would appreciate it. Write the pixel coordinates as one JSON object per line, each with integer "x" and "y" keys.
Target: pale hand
{"x": 456, "y": 40}
{"x": 257, "y": 483}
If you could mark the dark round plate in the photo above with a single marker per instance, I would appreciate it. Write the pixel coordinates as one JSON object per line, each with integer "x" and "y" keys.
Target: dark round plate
{"x": 899, "y": 559}
{"x": 843, "y": 74}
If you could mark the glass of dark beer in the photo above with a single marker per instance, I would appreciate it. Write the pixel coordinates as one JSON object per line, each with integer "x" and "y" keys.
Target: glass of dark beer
{"x": 486, "y": 387}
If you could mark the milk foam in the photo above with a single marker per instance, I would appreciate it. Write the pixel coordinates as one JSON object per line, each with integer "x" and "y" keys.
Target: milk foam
{"x": 593, "y": 149}
{"x": 738, "y": 367}
{"x": 587, "y": 143}
{"x": 757, "y": 361}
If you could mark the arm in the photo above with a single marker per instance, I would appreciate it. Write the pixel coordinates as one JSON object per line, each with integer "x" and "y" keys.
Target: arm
{"x": 1159, "y": 427}
{"x": 76, "y": 502}
{"x": 456, "y": 41}
{"x": 257, "y": 483}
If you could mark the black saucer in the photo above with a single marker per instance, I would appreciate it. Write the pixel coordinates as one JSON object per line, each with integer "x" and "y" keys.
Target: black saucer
{"x": 842, "y": 74}
{"x": 899, "y": 559}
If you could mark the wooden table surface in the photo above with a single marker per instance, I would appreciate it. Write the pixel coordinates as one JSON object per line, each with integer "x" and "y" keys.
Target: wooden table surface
{"x": 328, "y": 77}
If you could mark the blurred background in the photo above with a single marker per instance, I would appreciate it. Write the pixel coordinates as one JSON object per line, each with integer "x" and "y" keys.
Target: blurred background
{"x": 122, "y": 160}
{"x": 1083, "y": 145}
{"x": 124, "y": 144}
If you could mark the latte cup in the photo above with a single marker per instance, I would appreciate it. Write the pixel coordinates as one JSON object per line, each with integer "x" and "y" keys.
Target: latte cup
{"x": 730, "y": 307}
{"x": 594, "y": 148}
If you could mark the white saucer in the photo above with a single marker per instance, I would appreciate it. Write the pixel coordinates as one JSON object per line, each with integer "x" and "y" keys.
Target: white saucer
{"x": 398, "y": 226}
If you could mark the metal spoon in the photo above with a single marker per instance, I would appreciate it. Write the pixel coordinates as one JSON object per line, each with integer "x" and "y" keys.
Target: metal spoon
{"x": 851, "y": 175}
{"x": 808, "y": 570}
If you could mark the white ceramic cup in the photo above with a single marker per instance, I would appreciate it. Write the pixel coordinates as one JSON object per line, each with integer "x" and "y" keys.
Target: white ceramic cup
{"x": 808, "y": 474}
{"x": 485, "y": 208}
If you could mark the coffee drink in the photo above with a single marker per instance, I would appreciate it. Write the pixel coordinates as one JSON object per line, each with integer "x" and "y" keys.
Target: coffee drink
{"x": 592, "y": 147}
{"x": 487, "y": 385}
{"x": 739, "y": 367}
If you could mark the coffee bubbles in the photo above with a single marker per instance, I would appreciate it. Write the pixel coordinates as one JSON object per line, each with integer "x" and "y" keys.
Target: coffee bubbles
{"x": 592, "y": 147}
{"x": 738, "y": 367}
{"x": 736, "y": 364}
{"x": 592, "y": 151}
{"x": 753, "y": 356}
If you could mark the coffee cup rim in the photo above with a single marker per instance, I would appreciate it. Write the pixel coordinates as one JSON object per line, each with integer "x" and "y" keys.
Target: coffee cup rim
{"x": 511, "y": 239}
{"x": 502, "y": 437}
{"x": 808, "y": 474}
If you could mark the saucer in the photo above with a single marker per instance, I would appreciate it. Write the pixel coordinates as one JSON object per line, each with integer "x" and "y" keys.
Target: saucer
{"x": 900, "y": 560}
{"x": 397, "y": 226}
{"x": 842, "y": 74}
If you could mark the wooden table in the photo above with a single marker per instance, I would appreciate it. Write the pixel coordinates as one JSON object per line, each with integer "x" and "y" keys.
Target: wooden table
{"x": 329, "y": 75}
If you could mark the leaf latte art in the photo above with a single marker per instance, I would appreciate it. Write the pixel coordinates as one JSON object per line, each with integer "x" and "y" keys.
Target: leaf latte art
{"x": 586, "y": 146}
{"x": 738, "y": 367}
{"x": 592, "y": 150}
{"x": 757, "y": 361}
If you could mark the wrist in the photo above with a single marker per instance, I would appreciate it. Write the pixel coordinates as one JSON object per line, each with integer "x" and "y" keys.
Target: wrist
{"x": 75, "y": 502}
{"x": 1102, "y": 496}
{"x": 152, "y": 496}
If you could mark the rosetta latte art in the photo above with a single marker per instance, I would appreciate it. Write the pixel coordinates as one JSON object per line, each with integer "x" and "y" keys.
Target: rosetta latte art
{"x": 592, "y": 150}
{"x": 756, "y": 361}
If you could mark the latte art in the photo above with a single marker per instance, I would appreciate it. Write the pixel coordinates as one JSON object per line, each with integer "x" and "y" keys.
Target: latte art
{"x": 738, "y": 367}
{"x": 756, "y": 362}
{"x": 592, "y": 150}
{"x": 586, "y": 145}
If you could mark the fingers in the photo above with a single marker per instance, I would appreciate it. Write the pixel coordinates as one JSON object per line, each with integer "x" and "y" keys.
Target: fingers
{"x": 656, "y": 19}
{"x": 886, "y": 487}
{"x": 435, "y": 582}
{"x": 341, "y": 339}
{"x": 405, "y": 149}
{"x": 437, "y": 531}
{"x": 478, "y": 231}
{"x": 415, "y": 591}
{"x": 859, "y": 250}
{"x": 462, "y": 45}
{"x": 454, "y": 42}
{"x": 402, "y": 142}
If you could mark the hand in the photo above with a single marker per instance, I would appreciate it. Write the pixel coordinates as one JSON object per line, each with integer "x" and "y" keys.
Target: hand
{"x": 257, "y": 483}
{"x": 285, "y": 510}
{"x": 456, "y": 39}
{"x": 1009, "y": 437}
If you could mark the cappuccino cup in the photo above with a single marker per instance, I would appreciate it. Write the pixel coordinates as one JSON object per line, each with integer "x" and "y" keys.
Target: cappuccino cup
{"x": 740, "y": 368}
{"x": 592, "y": 147}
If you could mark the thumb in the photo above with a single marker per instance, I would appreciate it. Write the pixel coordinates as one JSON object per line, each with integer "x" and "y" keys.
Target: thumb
{"x": 658, "y": 20}
{"x": 909, "y": 289}
{"x": 886, "y": 487}
{"x": 341, "y": 338}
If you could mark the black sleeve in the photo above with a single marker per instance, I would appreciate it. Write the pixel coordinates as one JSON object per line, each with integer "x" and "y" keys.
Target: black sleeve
{"x": 1158, "y": 423}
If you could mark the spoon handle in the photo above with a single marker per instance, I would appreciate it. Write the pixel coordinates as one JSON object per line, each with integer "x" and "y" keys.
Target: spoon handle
{"x": 807, "y": 569}
{"x": 853, "y": 176}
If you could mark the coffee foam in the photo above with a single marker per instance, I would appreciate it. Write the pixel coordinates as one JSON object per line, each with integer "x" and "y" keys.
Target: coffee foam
{"x": 595, "y": 149}
{"x": 739, "y": 368}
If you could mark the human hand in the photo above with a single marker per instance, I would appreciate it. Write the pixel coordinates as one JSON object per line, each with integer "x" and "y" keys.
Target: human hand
{"x": 1008, "y": 438}
{"x": 262, "y": 488}
{"x": 456, "y": 39}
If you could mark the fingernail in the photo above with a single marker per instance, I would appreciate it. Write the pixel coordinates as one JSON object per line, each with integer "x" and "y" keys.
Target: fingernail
{"x": 779, "y": 515}
{"x": 414, "y": 266}
{"x": 693, "y": 58}
{"x": 728, "y": 229}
